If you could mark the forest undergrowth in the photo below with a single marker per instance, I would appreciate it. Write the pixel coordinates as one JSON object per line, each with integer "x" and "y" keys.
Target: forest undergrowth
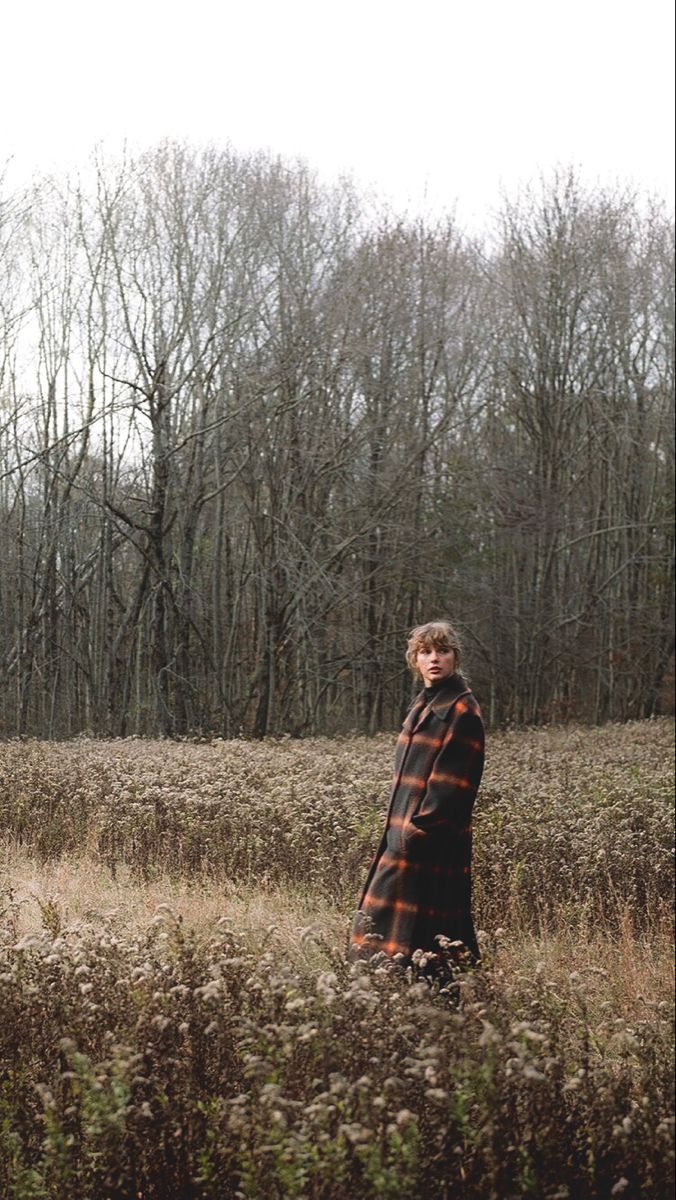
{"x": 179, "y": 1019}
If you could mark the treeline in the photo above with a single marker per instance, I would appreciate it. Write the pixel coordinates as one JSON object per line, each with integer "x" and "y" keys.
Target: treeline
{"x": 251, "y": 433}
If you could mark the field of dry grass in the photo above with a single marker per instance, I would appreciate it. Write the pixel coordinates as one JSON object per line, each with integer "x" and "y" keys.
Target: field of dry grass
{"x": 180, "y": 1019}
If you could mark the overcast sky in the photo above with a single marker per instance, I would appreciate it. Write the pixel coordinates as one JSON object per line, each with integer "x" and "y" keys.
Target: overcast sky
{"x": 428, "y": 102}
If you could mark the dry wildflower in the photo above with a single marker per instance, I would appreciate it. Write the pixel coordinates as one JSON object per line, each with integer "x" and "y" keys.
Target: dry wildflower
{"x": 227, "y": 1065}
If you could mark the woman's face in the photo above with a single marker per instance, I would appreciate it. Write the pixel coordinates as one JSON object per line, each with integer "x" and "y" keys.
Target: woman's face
{"x": 435, "y": 664}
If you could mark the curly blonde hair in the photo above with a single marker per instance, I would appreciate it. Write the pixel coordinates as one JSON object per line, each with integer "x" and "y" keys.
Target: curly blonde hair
{"x": 439, "y": 634}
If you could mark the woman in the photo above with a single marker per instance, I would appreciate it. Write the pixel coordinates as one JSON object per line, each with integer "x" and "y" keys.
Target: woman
{"x": 419, "y": 884}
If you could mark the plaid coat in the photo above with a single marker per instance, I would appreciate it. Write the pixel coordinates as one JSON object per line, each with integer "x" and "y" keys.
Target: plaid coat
{"x": 419, "y": 884}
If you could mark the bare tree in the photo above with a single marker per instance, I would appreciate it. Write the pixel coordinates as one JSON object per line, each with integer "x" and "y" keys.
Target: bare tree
{"x": 249, "y": 437}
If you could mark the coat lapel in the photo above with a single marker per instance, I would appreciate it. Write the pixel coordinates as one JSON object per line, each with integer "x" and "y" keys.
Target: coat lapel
{"x": 412, "y": 717}
{"x": 440, "y": 704}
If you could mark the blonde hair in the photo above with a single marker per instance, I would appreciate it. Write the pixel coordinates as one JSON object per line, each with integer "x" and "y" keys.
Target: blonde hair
{"x": 439, "y": 634}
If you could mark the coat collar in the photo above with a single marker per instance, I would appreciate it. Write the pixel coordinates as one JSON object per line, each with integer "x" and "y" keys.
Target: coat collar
{"x": 441, "y": 703}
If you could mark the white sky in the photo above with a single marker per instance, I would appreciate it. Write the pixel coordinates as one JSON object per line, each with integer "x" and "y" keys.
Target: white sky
{"x": 429, "y": 102}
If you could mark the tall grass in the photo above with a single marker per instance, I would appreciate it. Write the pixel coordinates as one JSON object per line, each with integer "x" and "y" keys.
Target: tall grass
{"x": 179, "y": 1019}
{"x": 581, "y": 817}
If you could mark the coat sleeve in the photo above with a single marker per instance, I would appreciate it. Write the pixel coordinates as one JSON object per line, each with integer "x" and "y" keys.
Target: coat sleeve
{"x": 446, "y": 806}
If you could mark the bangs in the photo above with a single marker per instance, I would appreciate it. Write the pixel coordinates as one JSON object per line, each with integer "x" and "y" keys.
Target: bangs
{"x": 436, "y": 639}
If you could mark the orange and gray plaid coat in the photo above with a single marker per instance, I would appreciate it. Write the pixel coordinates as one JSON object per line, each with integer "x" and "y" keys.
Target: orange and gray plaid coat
{"x": 419, "y": 884}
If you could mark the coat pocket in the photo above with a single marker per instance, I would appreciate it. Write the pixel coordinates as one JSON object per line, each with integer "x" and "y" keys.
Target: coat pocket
{"x": 415, "y": 842}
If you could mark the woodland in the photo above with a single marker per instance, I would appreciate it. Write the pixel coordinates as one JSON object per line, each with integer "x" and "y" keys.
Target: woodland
{"x": 254, "y": 427}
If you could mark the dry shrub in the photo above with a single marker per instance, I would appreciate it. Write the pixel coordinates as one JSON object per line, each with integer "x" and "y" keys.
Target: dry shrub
{"x": 566, "y": 817}
{"x": 149, "y": 1063}
{"x": 239, "y": 810}
{"x": 577, "y": 819}
{"x": 161, "y": 1066}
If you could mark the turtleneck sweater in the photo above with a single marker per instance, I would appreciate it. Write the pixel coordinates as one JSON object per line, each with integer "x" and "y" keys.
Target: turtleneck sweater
{"x": 435, "y": 687}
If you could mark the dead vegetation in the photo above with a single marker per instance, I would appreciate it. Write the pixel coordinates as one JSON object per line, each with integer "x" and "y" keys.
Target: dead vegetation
{"x": 179, "y": 1019}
